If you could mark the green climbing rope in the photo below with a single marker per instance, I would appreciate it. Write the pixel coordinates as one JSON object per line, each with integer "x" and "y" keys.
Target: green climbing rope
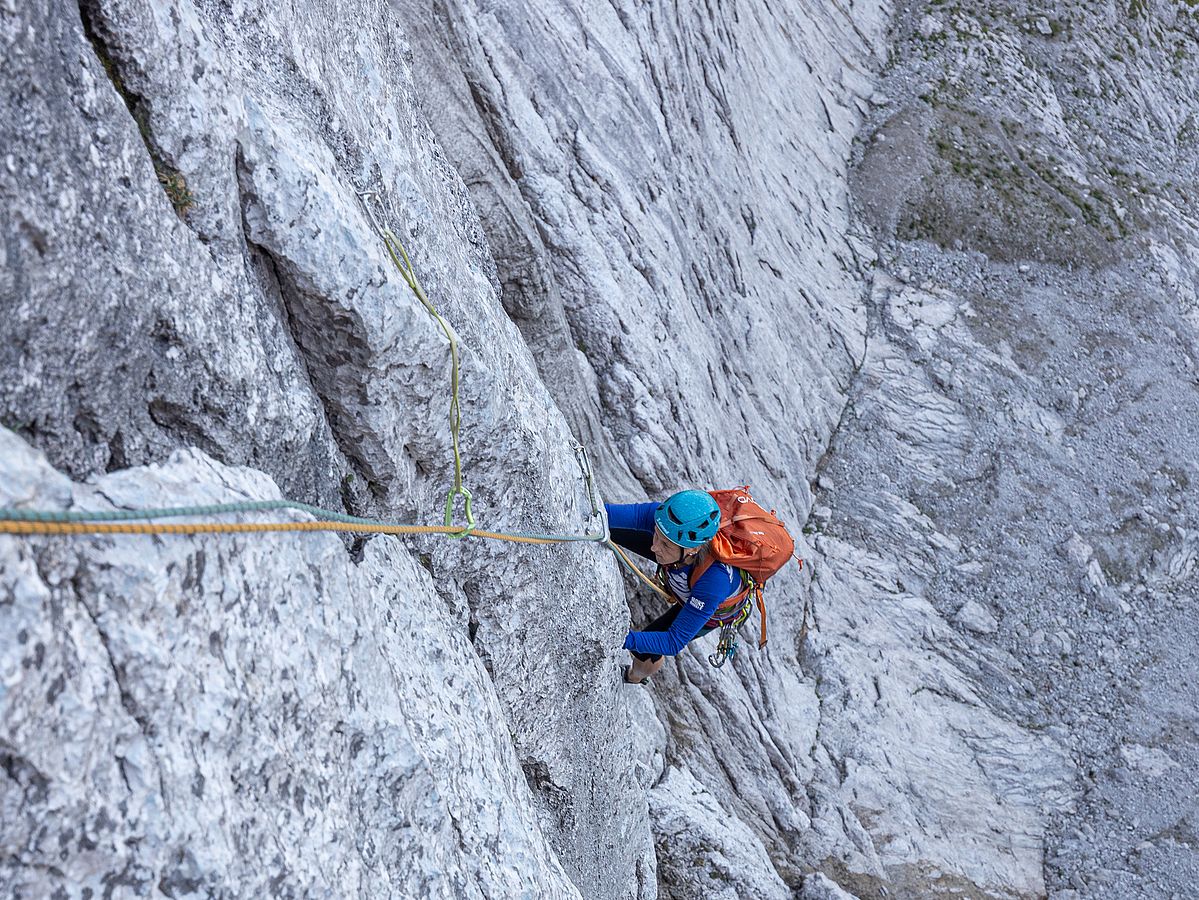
{"x": 399, "y": 256}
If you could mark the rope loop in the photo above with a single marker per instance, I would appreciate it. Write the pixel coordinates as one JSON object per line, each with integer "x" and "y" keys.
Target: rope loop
{"x": 449, "y": 511}
{"x": 403, "y": 264}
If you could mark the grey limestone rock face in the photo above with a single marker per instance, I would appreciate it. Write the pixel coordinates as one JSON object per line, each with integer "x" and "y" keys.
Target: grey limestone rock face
{"x": 261, "y": 321}
{"x": 666, "y": 196}
{"x": 134, "y": 334}
{"x": 651, "y": 228}
{"x": 575, "y": 241}
{"x": 975, "y": 617}
{"x": 819, "y": 886}
{"x": 219, "y": 715}
{"x": 702, "y": 850}
{"x": 1025, "y": 199}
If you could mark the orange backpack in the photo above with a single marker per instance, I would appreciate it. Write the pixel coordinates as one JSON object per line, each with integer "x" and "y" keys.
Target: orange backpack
{"x": 750, "y": 539}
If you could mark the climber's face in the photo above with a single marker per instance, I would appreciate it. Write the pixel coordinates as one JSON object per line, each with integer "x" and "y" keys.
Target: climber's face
{"x": 666, "y": 551}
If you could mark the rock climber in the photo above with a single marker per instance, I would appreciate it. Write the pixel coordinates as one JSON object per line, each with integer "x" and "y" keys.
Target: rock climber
{"x": 675, "y": 534}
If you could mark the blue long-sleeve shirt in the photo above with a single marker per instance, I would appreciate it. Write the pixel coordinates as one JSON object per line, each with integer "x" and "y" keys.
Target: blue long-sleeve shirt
{"x": 699, "y": 603}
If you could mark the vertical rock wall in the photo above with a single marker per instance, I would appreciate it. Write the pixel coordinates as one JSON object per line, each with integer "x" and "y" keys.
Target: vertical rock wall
{"x": 666, "y": 193}
{"x": 638, "y": 221}
{"x": 704, "y": 176}
{"x": 191, "y": 263}
{"x": 238, "y": 716}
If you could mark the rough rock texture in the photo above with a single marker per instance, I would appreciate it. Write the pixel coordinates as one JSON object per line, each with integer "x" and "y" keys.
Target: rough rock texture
{"x": 226, "y": 722}
{"x": 576, "y": 242}
{"x": 673, "y": 245}
{"x": 641, "y": 222}
{"x": 264, "y": 324}
{"x": 819, "y": 886}
{"x": 702, "y": 851}
{"x": 1029, "y": 177}
{"x": 936, "y": 789}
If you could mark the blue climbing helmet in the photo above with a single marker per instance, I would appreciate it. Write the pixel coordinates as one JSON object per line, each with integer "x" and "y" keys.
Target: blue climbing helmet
{"x": 688, "y": 518}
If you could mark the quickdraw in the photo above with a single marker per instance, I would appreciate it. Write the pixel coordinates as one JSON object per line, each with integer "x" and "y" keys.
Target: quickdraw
{"x": 726, "y": 647}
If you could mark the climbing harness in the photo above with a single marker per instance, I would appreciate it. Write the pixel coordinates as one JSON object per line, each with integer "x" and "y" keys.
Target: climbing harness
{"x": 729, "y": 616}
{"x": 731, "y": 620}
{"x": 726, "y": 646}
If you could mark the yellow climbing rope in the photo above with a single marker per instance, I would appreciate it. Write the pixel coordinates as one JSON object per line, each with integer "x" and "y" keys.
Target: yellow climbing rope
{"x": 10, "y": 526}
{"x": 636, "y": 570}
{"x": 39, "y": 527}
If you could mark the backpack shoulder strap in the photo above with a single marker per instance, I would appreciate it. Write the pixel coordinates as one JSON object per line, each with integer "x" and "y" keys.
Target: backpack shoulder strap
{"x": 705, "y": 563}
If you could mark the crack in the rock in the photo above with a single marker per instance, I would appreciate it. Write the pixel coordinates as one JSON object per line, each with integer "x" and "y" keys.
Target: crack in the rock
{"x": 288, "y": 302}
{"x": 22, "y": 772}
{"x": 943, "y": 694}
{"x": 82, "y": 587}
{"x": 489, "y": 113}
{"x": 170, "y": 178}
